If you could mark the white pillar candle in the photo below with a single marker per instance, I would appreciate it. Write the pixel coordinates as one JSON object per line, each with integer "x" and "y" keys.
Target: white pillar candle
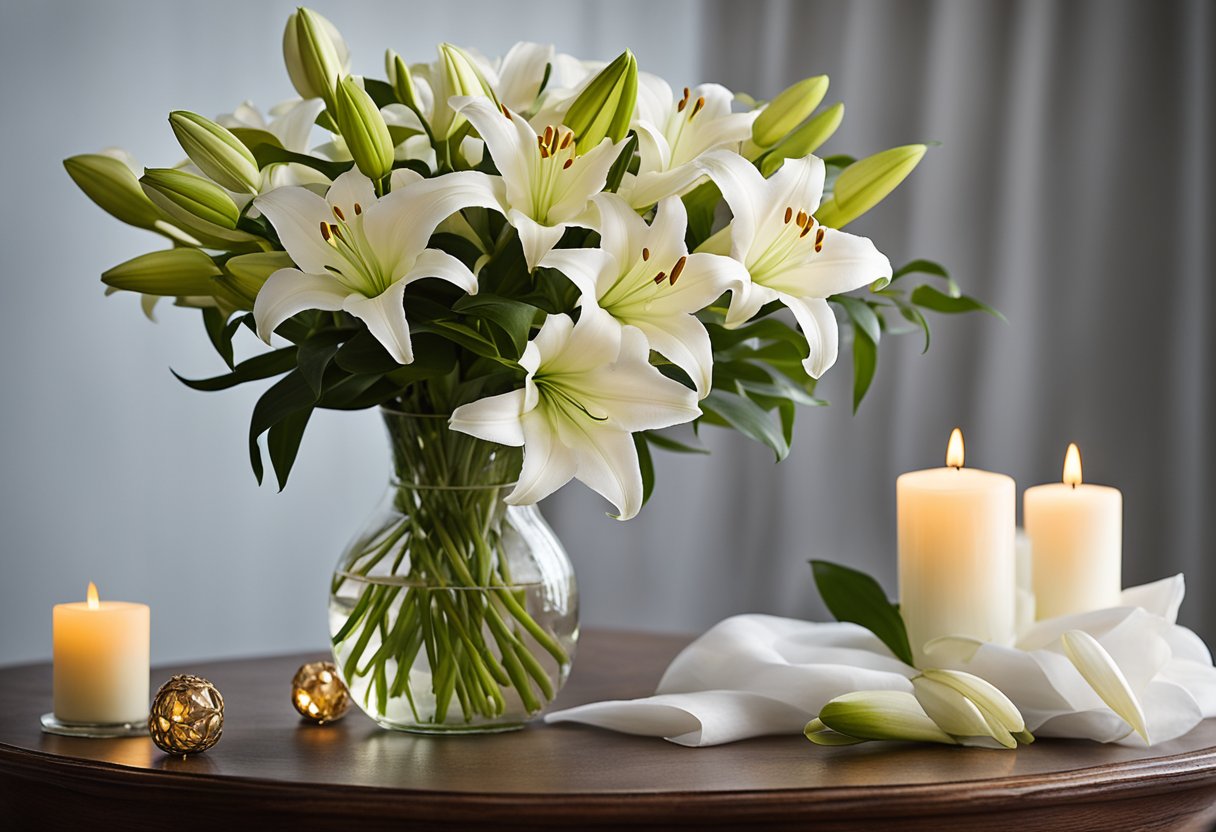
{"x": 101, "y": 661}
{"x": 1076, "y": 541}
{"x": 957, "y": 567}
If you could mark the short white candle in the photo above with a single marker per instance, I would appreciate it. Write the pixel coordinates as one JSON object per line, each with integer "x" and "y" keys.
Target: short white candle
{"x": 101, "y": 661}
{"x": 957, "y": 567}
{"x": 1076, "y": 541}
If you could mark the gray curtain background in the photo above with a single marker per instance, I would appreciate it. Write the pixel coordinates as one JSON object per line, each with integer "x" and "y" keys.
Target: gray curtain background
{"x": 1072, "y": 190}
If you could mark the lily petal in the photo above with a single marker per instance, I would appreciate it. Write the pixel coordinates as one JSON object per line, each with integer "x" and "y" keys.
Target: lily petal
{"x": 521, "y": 73}
{"x": 536, "y": 239}
{"x": 846, "y": 262}
{"x": 744, "y": 190}
{"x": 954, "y": 713}
{"x": 589, "y": 269}
{"x": 585, "y": 178}
{"x": 607, "y": 463}
{"x": 399, "y": 225}
{"x": 818, "y": 324}
{"x": 350, "y": 189}
{"x": 683, "y": 341}
{"x": 494, "y": 418}
{"x": 384, "y": 315}
{"x": 435, "y": 263}
{"x": 297, "y": 214}
{"x": 1098, "y": 669}
{"x": 289, "y": 291}
{"x": 548, "y": 464}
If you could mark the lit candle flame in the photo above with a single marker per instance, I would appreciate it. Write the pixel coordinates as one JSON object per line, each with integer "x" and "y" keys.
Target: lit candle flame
{"x": 954, "y": 451}
{"x": 1072, "y": 465}
{"x": 92, "y": 596}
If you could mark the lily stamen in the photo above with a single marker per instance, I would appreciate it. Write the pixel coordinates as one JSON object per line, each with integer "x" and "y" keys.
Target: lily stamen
{"x": 338, "y": 213}
{"x": 789, "y": 214}
{"x": 660, "y": 277}
{"x": 645, "y": 254}
{"x": 358, "y": 209}
{"x": 696, "y": 108}
{"x": 677, "y": 269}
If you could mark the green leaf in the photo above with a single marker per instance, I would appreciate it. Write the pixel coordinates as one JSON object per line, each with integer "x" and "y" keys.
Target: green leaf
{"x": 928, "y": 267}
{"x": 315, "y": 356}
{"x": 748, "y": 418}
{"x": 865, "y": 362}
{"x": 646, "y": 464}
{"x": 289, "y": 395}
{"x": 283, "y": 443}
{"x": 668, "y": 444}
{"x": 512, "y": 319}
{"x": 259, "y": 367}
{"x": 221, "y": 331}
{"x": 913, "y": 315}
{"x": 616, "y": 173}
{"x": 930, "y": 298}
{"x": 862, "y": 314}
{"x": 268, "y": 154}
{"x": 856, "y": 597}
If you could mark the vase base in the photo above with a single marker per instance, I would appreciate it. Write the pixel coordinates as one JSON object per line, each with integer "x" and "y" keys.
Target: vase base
{"x": 455, "y": 729}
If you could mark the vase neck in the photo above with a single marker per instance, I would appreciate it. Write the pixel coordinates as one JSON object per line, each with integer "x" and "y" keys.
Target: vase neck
{"x": 429, "y": 454}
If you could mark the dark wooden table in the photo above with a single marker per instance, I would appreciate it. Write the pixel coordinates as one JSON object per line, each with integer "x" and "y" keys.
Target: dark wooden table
{"x": 270, "y": 770}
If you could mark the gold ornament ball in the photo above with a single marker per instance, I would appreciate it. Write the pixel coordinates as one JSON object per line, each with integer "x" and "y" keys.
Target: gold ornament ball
{"x": 187, "y": 715}
{"x": 318, "y": 693}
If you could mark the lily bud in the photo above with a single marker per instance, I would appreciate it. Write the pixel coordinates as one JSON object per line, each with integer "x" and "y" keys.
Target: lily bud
{"x": 176, "y": 272}
{"x": 805, "y": 140}
{"x": 605, "y": 107}
{"x": 964, "y": 705}
{"x": 788, "y": 110}
{"x": 244, "y": 275}
{"x": 402, "y": 80}
{"x": 113, "y": 187}
{"x": 363, "y": 128}
{"x": 315, "y": 53}
{"x": 875, "y": 715}
{"x": 189, "y": 198}
{"x": 865, "y": 183}
{"x": 217, "y": 152}
{"x": 459, "y": 76}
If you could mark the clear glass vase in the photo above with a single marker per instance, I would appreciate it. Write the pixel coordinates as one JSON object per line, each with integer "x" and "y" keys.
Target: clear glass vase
{"x": 452, "y": 612}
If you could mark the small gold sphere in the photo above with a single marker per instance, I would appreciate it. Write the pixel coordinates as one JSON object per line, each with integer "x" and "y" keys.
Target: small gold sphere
{"x": 318, "y": 692}
{"x": 187, "y": 715}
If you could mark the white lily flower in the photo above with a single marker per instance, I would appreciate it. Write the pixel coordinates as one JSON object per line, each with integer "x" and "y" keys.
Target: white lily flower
{"x": 548, "y": 186}
{"x": 589, "y": 386}
{"x": 788, "y": 256}
{"x": 643, "y": 276}
{"x": 357, "y": 253}
{"x": 674, "y": 133}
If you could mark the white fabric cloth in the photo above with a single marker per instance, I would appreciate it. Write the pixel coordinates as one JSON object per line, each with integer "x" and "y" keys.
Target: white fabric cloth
{"x": 758, "y": 675}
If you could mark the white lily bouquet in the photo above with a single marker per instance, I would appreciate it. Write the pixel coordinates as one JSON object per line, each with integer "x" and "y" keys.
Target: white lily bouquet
{"x": 535, "y": 252}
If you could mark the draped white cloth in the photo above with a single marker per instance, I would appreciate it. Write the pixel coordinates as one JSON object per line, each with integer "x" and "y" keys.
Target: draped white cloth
{"x": 757, "y": 675}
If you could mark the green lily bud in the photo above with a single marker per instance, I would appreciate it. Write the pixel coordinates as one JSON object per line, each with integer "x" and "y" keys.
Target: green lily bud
{"x": 244, "y": 275}
{"x": 176, "y": 272}
{"x": 787, "y": 110}
{"x": 866, "y": 182}
{"x": 363, "y": 128}
{"x": 605, "y": 107}
{"x": 190, "y": 199}
{"x": 805, "y": 140}
{"x": 402, "y": 80}
{"x": 876, "y": 715}
{"x": 217, "y": 152}
{"x": 458, "y": 75}
{"x": 315, "y": 53}
{"x": 964, "y": 705}
{"x": 114, "y": 187}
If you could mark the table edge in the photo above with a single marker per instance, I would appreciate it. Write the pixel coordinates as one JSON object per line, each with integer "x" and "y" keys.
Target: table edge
{"x": 1110, "y": 781}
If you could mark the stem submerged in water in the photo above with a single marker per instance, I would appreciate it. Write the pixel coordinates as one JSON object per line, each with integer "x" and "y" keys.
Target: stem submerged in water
{"x": 432, "y": 613}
